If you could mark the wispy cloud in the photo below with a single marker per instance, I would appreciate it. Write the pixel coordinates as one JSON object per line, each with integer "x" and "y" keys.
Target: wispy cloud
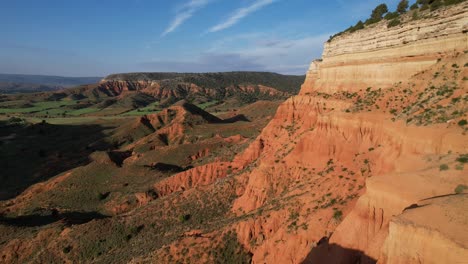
{"x": 240, "y": 13}
{"x": 184, "y": 13}
{"x": 248, "y": 52}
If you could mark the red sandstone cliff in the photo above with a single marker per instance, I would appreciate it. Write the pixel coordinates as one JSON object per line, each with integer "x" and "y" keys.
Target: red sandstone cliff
{"x": 316, "y": 133}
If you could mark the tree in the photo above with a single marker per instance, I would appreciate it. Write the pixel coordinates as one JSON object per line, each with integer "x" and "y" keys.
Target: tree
{"x": 422, "y": 2}
{"x": 435, "y": 4}
{"x": 402, "y": 6}
{"x": 359, "y": 25}
{"x": 379, "y": 11}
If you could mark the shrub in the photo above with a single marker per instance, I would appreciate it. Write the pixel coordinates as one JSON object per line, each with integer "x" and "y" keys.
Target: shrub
{"x": 337, "y": 215}
{"x": 231, "y": 251}
{"x": 436, "y": 4}
{"x": 452, "y": 2}
{"x": 460, "y": 188}
{"x": 443, "y": 167}
{"x": 416, "y": 16}
{"x": 395, "y": 22}
{"x": 391, "y": 15}
{"x": 462, "y": 122}
{"x": 359, "y": 25}
{"x": 184, "y": 218}
{"x": 414, "y": 6}
{"x": 67, "y": 249}
{"x": 463, "y": 158}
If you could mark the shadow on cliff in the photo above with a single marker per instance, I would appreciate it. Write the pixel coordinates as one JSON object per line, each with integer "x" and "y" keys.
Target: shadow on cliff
{"x": 68, "y": 218}
{"x": 33, "y": 153}
{"x": 328, "y": 253}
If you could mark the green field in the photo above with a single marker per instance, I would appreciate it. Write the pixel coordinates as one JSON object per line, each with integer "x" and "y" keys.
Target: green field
{"x": 38, "y": 107}
{"x": 65, "y": 109}
{"x": 150, "y": 109}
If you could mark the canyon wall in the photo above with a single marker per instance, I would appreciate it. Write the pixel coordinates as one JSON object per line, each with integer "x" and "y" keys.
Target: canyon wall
{"x": 378, "y": 56}
{"x": 377, "y": 168}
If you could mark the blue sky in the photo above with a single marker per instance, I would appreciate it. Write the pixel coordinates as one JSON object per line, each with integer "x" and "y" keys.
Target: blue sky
{"x": 100, "y": 37}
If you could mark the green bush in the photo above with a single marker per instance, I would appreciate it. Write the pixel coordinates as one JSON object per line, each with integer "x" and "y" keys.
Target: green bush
{"x": 460, "y": 188}
{"x": 462, "y": 122}
{"x": 337, "y": 215}
{"x": 452, "y": 2}
{"x": 463, "y": 158}
{"x": 359, "y": 25}
{"x": 67, "y": 249}
{"x": 395, "y": 22}
{"x": 443, "y": 167}
{"x": 391, "y": 15}
{"x": 184, "y": 218}
{"x": 436, "y": 4}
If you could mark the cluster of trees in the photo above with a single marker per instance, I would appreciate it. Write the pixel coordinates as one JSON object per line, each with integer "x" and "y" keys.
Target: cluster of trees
{"x": 381, "y": 12}
{"x": 434, "y": 4}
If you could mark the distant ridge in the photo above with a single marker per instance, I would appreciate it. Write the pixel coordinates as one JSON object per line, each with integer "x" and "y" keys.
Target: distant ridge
{"x": 48, "y": 79}
{"x": 20, "y": 83}
{"x": 285, "y": 83}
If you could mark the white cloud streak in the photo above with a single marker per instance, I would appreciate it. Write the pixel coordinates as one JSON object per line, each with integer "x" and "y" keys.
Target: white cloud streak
{"x": 184, "y": 13}
{"x": 239, "y": 14}
{"x": 260, "y": 51}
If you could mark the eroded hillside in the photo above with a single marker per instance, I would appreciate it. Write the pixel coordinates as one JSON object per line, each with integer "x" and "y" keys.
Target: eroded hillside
{"x": 367, "y": 164}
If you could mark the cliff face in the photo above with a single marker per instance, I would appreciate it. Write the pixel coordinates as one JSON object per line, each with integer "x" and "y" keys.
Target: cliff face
{"x": 322, "y": 148}
{"x": 177, "y": 91}
{"x": 429, "y": 233}
{"x": 378, "y": 56}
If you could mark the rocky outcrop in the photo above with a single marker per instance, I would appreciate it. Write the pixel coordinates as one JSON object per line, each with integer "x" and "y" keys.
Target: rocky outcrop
{"x": 199, "y": 176}
{"x": 429, "y": 233}
{"x": 177, "y": 90}
{"x": 387, "y": 196}
{"x": 378, "y": 56}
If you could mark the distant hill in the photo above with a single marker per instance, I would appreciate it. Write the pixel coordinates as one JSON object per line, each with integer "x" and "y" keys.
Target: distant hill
{"x": 20, "y": 83}
{"x": 285, "y": 83}
{"x": 135, "y": 90}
